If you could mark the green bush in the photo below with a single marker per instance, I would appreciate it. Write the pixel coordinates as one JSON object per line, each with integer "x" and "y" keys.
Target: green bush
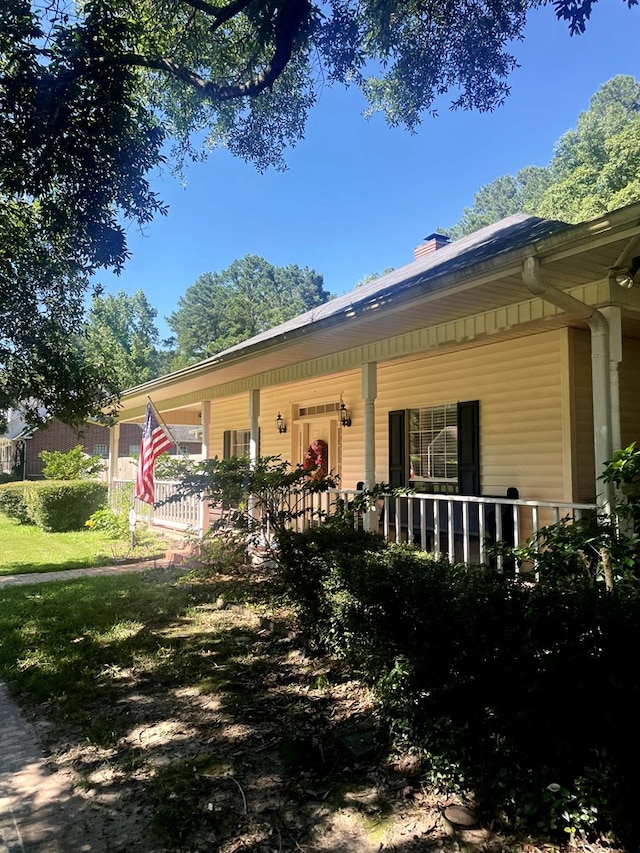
{"x": 13, "y": 502}
{"x": 525, "y": 694}
{"x": 56, "y": 506}
{"x": 114, "y": 525}
{"x": 73, "y": 465}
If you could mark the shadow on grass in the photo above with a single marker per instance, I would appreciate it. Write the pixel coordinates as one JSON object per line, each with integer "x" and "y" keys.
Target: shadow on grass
{"x": 192, "y": 721}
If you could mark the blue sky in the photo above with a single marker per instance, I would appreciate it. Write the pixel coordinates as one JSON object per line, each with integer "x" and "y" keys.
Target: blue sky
{"x": 359, "y": 196}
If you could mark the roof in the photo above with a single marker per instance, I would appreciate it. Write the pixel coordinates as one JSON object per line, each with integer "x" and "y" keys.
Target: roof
{"x": 471, "y": 277}
{"x": 489, "y": 242}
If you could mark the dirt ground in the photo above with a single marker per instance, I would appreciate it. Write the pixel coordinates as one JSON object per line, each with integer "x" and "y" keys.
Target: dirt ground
{"x": 271, "y": 752}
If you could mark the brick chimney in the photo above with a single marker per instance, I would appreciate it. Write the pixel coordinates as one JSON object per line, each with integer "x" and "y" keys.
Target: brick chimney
{"x": 433, "y": 242}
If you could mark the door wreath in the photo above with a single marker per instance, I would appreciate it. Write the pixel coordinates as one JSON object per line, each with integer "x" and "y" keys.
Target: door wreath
{"x": 316, "y": 459}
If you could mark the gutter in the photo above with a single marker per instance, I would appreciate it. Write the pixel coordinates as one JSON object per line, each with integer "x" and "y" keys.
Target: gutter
{"x": 604, "y": 369}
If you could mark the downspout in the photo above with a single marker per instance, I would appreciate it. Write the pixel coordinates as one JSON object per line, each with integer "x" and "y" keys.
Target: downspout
{"x": 601, "y": 390}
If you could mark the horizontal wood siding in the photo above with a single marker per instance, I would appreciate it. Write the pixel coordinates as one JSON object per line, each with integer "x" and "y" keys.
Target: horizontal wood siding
{"x": 227, "y": 414}
{"x": 523, "y": 405}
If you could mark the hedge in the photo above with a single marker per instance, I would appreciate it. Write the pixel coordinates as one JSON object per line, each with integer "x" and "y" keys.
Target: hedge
{"x": 54, "y": 505}
{"x": 13, "y": 502}
{"x": 525, "y": 694}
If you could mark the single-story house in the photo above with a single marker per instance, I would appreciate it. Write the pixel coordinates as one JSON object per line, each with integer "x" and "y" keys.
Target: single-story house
{"x": 499, "y": 370}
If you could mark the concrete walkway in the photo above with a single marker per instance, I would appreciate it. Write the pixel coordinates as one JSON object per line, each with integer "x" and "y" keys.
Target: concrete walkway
{"x": 38, "y": 810}
{"x": 70, "y": 574}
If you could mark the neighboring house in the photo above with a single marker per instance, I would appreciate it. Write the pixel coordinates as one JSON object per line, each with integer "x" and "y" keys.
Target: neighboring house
{"x": 508, "y": 361}
{"x": 20, "y": 446}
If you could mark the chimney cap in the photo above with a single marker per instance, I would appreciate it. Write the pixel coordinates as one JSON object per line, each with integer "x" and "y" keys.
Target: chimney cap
{"x": 437, "y": 236}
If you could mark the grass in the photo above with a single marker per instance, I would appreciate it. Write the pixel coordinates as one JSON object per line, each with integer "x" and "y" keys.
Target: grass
{"x": 174, "y": 707}
{"x": 26, "y": 549}
{"x": 57, "y": 639}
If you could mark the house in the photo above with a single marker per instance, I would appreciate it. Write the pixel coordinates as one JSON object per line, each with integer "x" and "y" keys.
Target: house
{"x": 20, "y": 445}
{"x": 505, "y": 363}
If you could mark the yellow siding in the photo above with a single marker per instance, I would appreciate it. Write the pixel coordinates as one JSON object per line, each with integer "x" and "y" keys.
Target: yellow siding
{"x": 230, "y": 413}
{"x": 535, "y": 416}
{"x": 346, "y": 445}
{"x": 522, "y": 409}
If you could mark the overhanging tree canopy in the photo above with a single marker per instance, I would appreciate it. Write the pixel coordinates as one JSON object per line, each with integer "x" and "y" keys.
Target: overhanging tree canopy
{"x": 90, "y": 92}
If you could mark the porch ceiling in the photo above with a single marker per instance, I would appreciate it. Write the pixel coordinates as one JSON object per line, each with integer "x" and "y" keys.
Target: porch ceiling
{"x": 459, "y": 282}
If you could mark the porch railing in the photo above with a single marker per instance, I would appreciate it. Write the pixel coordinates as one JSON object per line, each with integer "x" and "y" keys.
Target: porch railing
{"x": 454, "y": 526}
{"x": 181, "y": 515}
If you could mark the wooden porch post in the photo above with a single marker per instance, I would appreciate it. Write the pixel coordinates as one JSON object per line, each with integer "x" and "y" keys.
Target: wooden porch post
{"x": 114, "y": 444}
{"x": 254, "y": 436}
{"x": 254, "y": 424}
{"x": 369, "y": 394}
{"x": 205, "y": 420}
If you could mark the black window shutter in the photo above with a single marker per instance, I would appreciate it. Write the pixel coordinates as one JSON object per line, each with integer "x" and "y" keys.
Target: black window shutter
{"x": 469, "y": 448}
{"x": 398, "y": 473}
{"x": 226, "y": 444}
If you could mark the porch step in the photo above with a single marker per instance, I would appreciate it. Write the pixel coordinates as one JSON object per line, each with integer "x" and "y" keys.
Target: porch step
{"x": 178, "y": 556}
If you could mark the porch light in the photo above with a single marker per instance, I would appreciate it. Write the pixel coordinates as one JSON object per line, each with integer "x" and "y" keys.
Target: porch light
{"x": 624, "y": 281}
{"x": 626, "y": 278}
{"x": 345, "y": 416}
{"x": 280, "y": 424}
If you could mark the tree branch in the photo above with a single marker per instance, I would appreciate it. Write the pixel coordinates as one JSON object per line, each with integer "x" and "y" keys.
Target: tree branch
{"x": 291, "y": 19}
{"x": 222, "y": 14}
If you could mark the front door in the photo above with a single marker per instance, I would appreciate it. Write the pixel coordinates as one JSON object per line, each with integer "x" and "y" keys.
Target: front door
{"x": 314, "y": 430}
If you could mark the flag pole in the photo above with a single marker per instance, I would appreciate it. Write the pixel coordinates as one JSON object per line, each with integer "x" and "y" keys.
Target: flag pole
{"x": 162, "y": 421}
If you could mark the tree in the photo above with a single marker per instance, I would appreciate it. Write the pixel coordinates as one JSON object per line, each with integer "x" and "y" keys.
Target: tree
{"x": 121, "y": 330}
{"x": 500, "y": 198}
{"x": 595, "y": 168}
{"x": 225, "y": 308}
{"x": 91, "y": 91}
{"x": 372, "y": 276}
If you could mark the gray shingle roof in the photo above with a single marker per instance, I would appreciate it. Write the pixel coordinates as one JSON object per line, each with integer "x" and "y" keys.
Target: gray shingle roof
{"x": 511, "y": 233}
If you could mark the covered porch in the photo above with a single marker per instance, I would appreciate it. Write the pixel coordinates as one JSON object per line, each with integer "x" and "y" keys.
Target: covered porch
{"x": 519, "y": 337}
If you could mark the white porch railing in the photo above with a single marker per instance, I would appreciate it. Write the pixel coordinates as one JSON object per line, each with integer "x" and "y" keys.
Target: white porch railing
{"x": 181, "y": 515}
{"x": 454, "y": 526}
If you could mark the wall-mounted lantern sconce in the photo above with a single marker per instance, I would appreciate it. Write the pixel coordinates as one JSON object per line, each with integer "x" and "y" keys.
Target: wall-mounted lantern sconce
{"x": 280, "y": 424}
{"x": 345, "y": 416}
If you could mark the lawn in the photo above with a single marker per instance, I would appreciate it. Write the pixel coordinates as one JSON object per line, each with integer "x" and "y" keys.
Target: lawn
{"x": 26, "y": 548}
{"x": 187, "y": 726}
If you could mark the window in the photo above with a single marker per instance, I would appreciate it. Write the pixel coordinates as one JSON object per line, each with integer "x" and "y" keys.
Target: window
{"x": 134, "y": 449}
{"x": 433, "y": 446}
{"x": 237, "y": 442}
{"x": 437, "y": 449}
{"x": 100, "y": 450}
{"x": 184, "y": 449}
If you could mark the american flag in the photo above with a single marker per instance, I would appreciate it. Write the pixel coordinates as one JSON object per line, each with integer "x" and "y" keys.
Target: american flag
{"x": 154, "y": 442}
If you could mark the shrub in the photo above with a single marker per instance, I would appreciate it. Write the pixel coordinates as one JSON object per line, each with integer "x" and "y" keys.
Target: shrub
{"x": 113, "y": 520}
{"x": 525, "y": 694}
{"x": 13, "y": 502}
{"x": 74, "y": 465}
{"x": 114, "y": 525}
{"x": 219, "y": 553}
{"x": 56, "y": 506}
